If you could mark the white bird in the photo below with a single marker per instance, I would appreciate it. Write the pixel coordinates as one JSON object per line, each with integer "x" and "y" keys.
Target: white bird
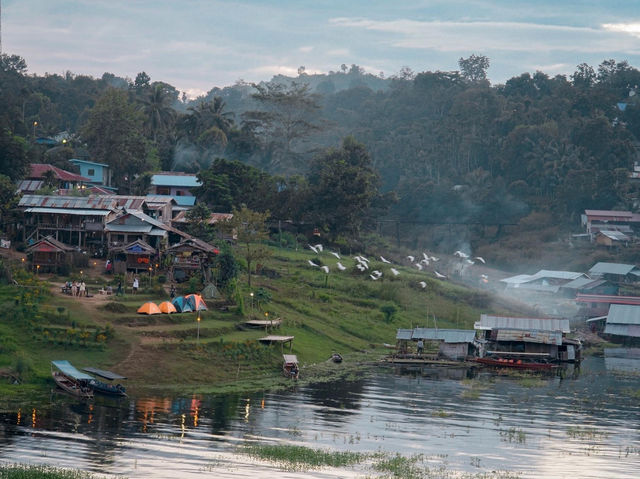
{"x": 362, "y": 263}
{"x": 438, "y": 275}
{"x": 423, "y": 284}
{"x": 325, "y": 269}
{"x": 318, "y": 247}
{"x": 480, "y": 259}
{"x": 484, "y": 276}
{"x": 377, "y": 273}
{"x": 313, "y": 264}
{"x": 335, "y": 254}
{"x": 411, "y": 258}
{"x": 382, "y": 258}
{"x": 419, "y": 266}
{"x": 395, "y": 271}
{"x": 375, "y": 278}
{"x": 360, "y": 267}
{"x": 340, "y": 266}
{"x": 425, "y": 256}
{"x": 425, "y": 262}
{"x": 470, "y": 262}
{"x": 433, "y": 258}
{"x": 364, "y": 259}
{"x": 460, "y": 254}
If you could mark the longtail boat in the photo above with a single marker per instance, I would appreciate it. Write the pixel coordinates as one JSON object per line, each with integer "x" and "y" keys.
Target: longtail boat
{"x": 107, "y": 388}
{"x": 68, "y": 378}
{"x": 515, "y": 363}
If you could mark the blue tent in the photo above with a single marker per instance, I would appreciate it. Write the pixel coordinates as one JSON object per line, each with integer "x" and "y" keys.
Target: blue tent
{"x": 182, "y": 305}
{"x": 196, "y": 302}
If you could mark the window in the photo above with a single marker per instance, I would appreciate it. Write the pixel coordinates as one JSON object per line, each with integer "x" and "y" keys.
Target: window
{"x": 91, "y": 172}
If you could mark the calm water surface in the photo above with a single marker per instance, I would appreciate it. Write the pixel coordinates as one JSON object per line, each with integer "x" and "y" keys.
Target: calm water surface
{"x": 583, "y": 425}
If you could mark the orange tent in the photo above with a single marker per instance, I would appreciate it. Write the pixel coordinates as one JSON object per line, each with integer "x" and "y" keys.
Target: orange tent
{"x": 149, "y": 308}
{"x": 167, "y": 307}
{"x": 196, "y": 301}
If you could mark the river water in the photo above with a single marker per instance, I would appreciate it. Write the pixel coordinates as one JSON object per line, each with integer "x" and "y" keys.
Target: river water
{"x": 583, "y": 423}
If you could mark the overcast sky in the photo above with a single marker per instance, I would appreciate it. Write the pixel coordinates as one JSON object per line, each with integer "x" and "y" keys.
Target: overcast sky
{"x": 198, "y": 44}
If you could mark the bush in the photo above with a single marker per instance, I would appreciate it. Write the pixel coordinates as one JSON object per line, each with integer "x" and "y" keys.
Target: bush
{"x": 162, "y": 279}
{"x": 23, "y": 366}
{"x": 114, "y": 307}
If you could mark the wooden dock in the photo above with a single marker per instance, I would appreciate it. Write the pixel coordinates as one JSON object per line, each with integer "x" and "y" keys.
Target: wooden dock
{"x": 263, "y": 323}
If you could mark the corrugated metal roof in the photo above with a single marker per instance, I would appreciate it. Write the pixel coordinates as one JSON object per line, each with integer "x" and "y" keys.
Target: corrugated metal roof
{"x": 623, "y": 314}
{"x": 626, "y": 214}
{"x": 506, "y": 322}
{"x": 175, "y": 179}
{"x": 446, "y": 335}
{"x": 85, "y": 162}
{"x": 67, "y": 211}
{"x": 578, "y": 283}
{"x": 118, "y": 228}
{"x": 157, "y": 232}
{"x": 632, "y": 330}
{"x": 38, "y": 170}
{"x": 30, "y": 185}
{"x": 404, "y": 334}
{"x": 540, "y": 288}
{"x": 607, "y": 299}
{"x": 542, "y": 274}
{"x": 611, "y": 268}
{"x": 614, "y": 235}
{"x": 81, "y": 202}
{"x": 179, "y": 200}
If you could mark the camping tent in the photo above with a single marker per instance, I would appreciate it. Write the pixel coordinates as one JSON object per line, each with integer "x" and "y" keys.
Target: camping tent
{"x": 210, "y": 292}
{"x": 167, "y": 307}
{"x": 149, "y": 308}
{"x": 196, "y": 301}
{"x": 182, "y": 305}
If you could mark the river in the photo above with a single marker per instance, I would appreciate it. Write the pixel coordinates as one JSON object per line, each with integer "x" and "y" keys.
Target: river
{"x": 584, "y": 423}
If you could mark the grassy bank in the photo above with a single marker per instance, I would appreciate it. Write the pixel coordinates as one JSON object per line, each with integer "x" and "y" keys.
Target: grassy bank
{"x": 344, "y": 311}
{"x": 41, "y": 472}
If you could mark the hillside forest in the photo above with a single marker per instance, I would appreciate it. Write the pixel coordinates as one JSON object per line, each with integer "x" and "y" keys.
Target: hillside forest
{"x": 414, "y": 156}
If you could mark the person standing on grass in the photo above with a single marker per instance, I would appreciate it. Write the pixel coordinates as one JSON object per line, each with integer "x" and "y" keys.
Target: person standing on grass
{"x": 74, "y": 289}
{"x": 83, "y": 288}
{"x": 420, "y": 346}
{"x": 172, "y": 291}
{"x": 136, "y": 284}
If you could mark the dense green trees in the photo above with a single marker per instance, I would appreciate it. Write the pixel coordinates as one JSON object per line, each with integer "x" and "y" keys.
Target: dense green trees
{"x": 114, "y": 135}
{"x": 450, "y": 144}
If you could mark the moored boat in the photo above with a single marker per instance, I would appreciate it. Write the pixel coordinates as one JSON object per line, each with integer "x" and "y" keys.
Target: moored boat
{"x": 68, "y": 378}
{"x": 515, "y": 363}
{"x": 290, "y": 366}
{"x": 107, "y": 388}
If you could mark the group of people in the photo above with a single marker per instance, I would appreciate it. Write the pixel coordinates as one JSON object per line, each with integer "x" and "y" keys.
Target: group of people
{"x": 77, "y": 288}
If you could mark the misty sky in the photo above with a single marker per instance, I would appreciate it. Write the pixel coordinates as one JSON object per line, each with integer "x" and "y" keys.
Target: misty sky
{"x": 198, "y": 44}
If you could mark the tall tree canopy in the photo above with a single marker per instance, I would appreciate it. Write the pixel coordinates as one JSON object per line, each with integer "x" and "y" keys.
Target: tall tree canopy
{"x": 343, "y": 186}
{"x": 114, "y": 135}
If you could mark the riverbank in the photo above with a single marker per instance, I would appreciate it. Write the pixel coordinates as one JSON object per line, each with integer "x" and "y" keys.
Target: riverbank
{"x": 343, "y": 312}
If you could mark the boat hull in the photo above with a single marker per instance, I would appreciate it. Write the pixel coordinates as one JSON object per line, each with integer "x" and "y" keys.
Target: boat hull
{"x": 71, "y": 386}
{"x": 515, "y": 364}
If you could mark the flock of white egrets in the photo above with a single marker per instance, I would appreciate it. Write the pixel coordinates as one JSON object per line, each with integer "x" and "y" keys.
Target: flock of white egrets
{"x": 362, "y": 263}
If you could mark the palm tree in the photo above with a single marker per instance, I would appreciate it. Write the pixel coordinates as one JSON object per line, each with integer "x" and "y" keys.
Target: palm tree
{"x": 159, "y": 114}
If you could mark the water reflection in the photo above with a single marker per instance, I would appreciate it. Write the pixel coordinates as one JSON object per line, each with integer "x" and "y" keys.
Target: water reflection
{"x": 579, "y": 422}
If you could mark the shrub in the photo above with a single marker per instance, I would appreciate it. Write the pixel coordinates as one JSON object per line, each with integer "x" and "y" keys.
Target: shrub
{"x": 162, "y": 279}
{"x": 114, "y": 307}
{"x": 389, "y": 311}
{"x": 23, "y": 366}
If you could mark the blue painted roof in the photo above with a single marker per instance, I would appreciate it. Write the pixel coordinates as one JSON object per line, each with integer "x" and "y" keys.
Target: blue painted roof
{"x": 66, "y": 368}
{"x": 175, "y": 180}
{"x": 180, "y": 200}
{"x": 85, "y": 162}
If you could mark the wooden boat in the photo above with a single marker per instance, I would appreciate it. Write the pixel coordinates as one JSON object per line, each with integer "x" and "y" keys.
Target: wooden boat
{"x": 290, "y": 367}
{"x": 515, "y": 363}
{"x": 336, "y": 358}
{"x": 106, "y": 388}
{"x": 70, "y": 379}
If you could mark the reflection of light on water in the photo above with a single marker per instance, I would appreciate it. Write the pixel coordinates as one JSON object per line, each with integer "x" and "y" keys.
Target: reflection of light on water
{"x": 195, "y": 418}
{"x": 33, "y": 418}
{"x": 19, "y": 416}
{"x": 182, "y": 428}
{"x": 247, "y": 410}
{"x": 90, "y": 420}
{"x": 262, "y": 403}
